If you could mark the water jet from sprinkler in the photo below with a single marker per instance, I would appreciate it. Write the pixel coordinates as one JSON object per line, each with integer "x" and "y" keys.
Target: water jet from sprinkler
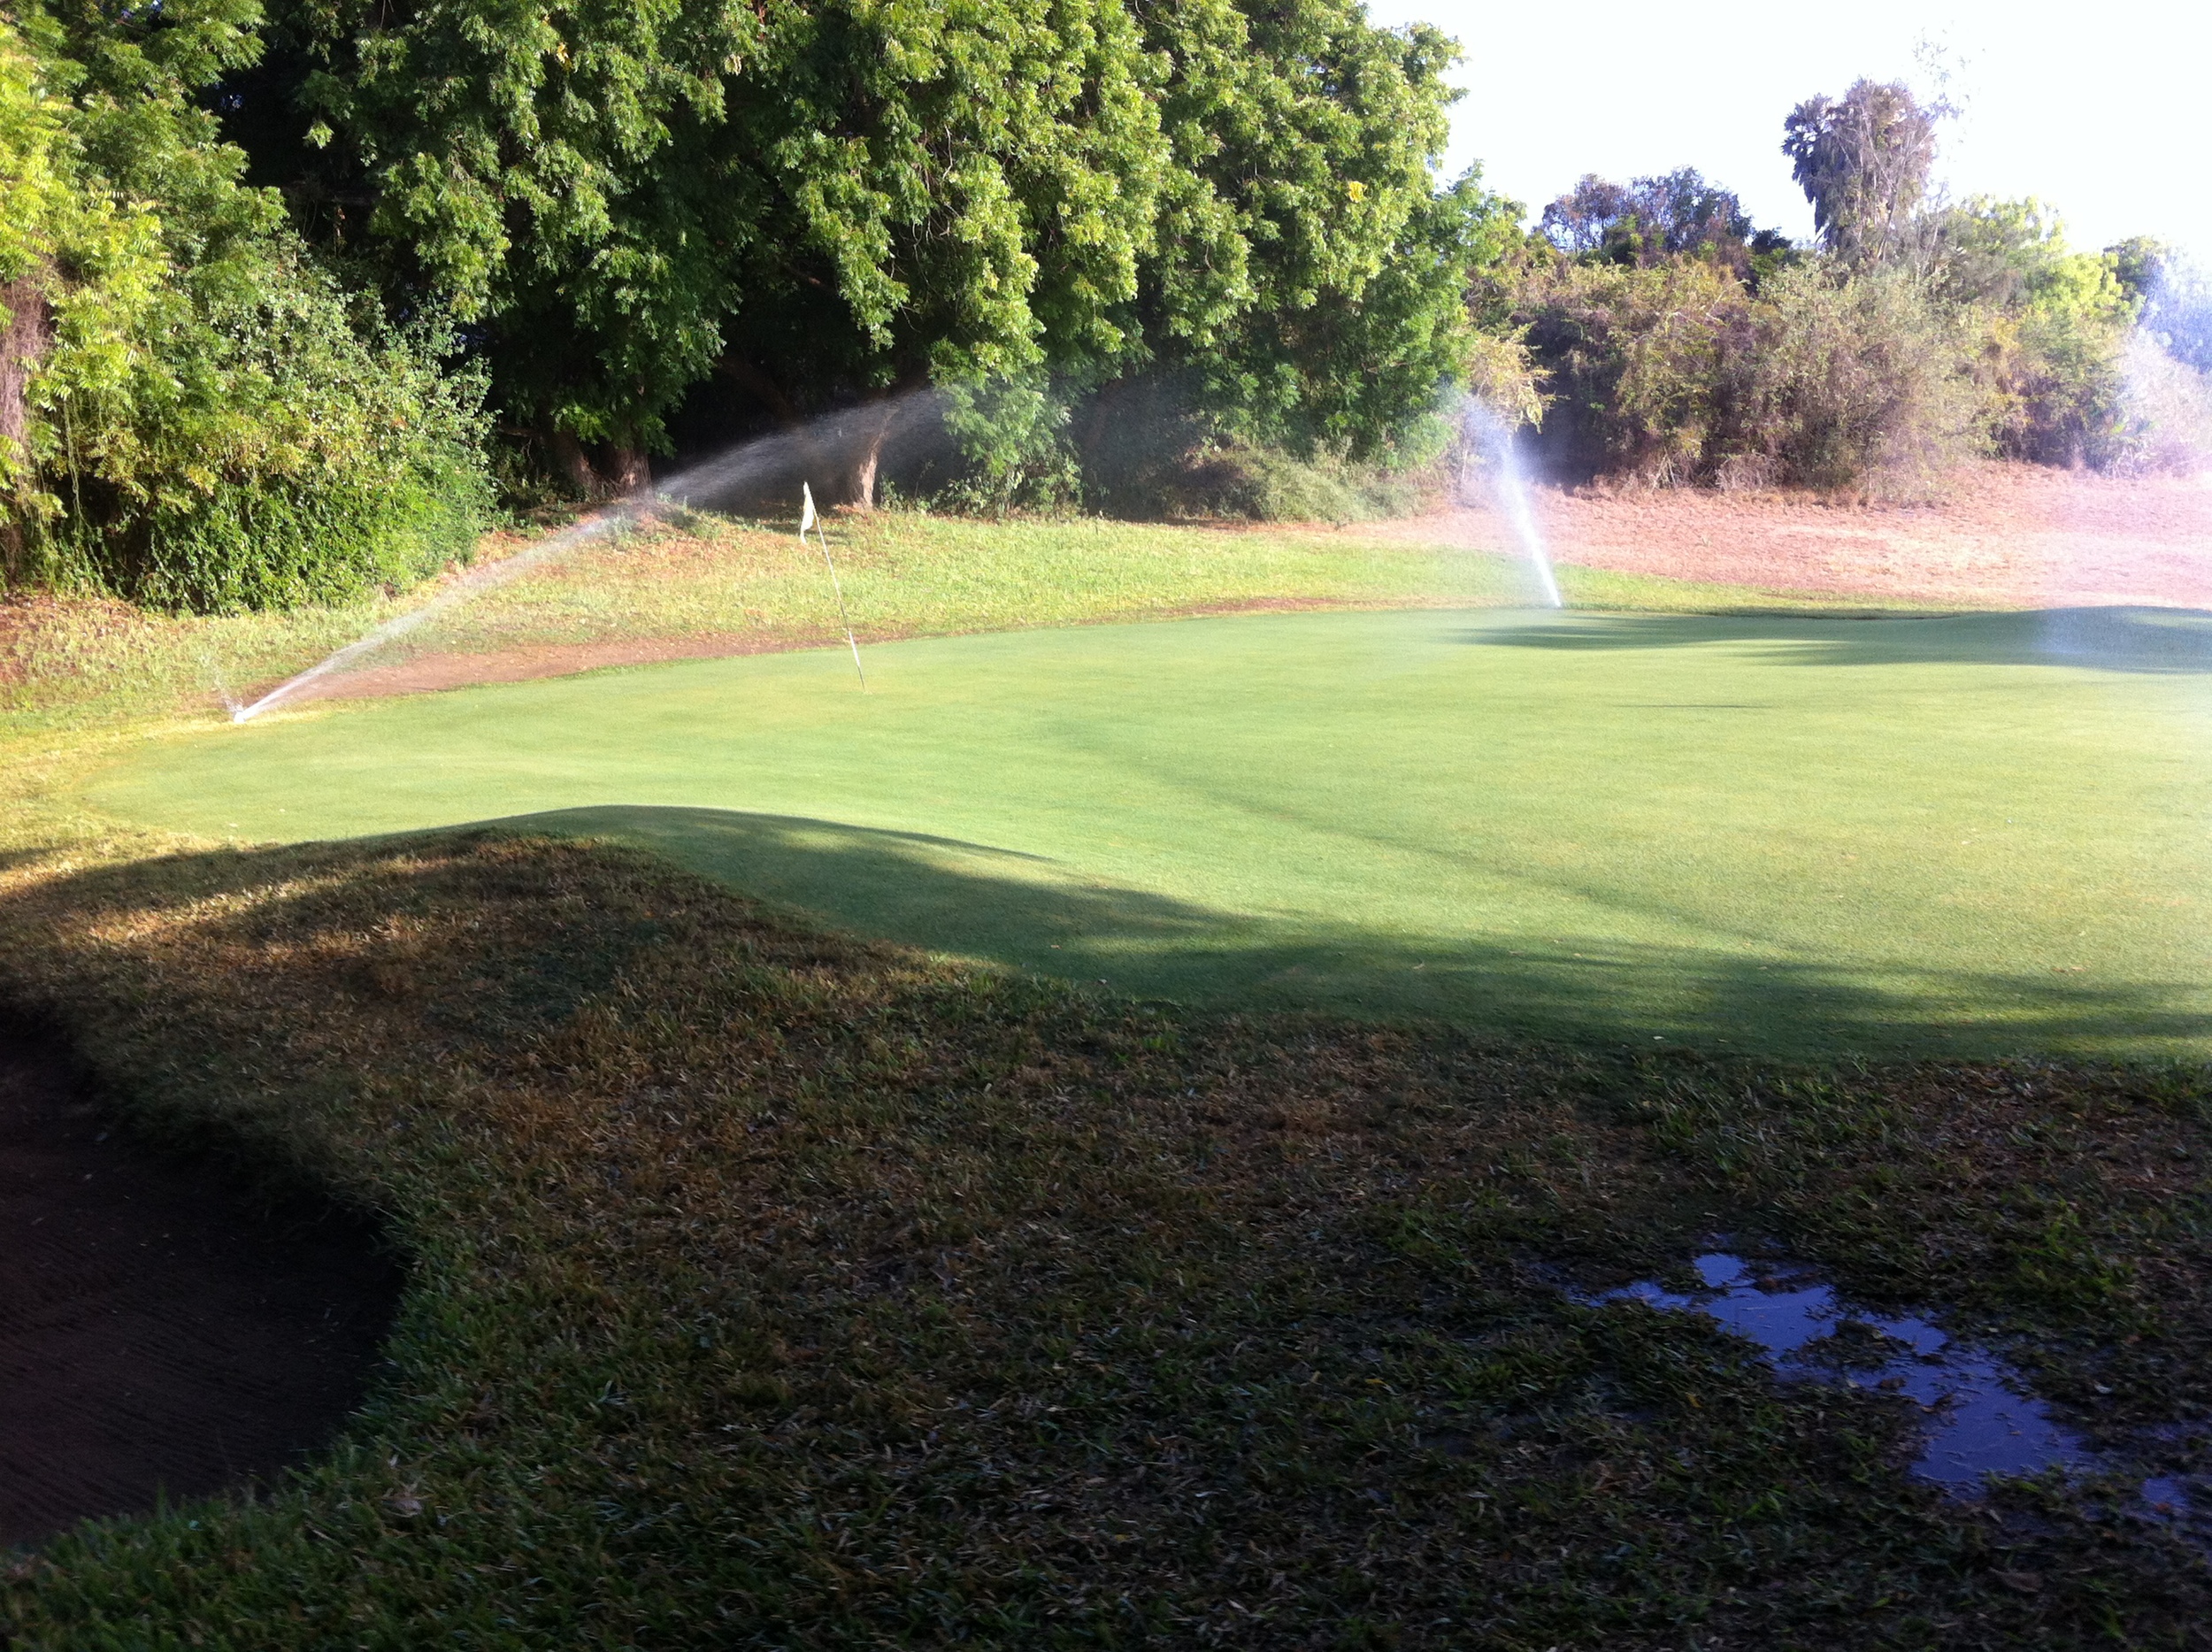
{"x": 1488, "y": 439}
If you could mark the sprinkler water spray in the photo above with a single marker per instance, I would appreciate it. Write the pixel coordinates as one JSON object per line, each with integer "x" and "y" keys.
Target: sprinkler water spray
{"x": 483, "y": 578}
{"x": 1490, "y": 435}
{"x": 749, "y": 467}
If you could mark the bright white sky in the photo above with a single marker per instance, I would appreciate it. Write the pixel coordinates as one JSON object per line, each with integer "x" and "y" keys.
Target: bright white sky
{"x": 2102, "y": 110}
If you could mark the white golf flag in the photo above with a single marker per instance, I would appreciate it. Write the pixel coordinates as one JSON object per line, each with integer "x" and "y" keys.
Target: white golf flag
{"x": 807, "y": 520}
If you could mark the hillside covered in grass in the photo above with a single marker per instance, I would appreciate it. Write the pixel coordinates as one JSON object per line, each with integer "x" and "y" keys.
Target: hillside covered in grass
{"x": 770, "y": 1290}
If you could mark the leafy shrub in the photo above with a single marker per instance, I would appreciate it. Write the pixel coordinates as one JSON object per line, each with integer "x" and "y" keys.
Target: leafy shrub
{"x": 1858, "y": 383}
{"x": 1678, "y": 374}
{"x": 276, "y": 448}
{"x": 1914, "y": 338}
{"x": 1012, "y": 432}
{"x": 2055, "y": 325}
{"x": 1149, "y": 448}
{"x": 200, "y": 419}
{"x": 1637, "y": 362}
{"x": 2165, "y": 412}
{"x": 1268, "y": 485}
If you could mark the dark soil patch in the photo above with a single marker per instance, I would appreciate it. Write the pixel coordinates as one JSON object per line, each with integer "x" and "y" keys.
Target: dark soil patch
{"x": 162, "y": 1334}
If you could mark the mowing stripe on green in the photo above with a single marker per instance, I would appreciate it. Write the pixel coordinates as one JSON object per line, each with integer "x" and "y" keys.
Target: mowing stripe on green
{"x": 1980, "y": 833}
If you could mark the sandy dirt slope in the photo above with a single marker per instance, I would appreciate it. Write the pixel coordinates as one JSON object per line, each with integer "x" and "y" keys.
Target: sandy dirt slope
{"x": 2004, "y": 536}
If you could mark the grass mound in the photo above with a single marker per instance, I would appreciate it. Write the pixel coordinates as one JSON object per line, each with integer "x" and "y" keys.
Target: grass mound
{"x": 1952, "y": 834}
{"x": 770, "y": 1290}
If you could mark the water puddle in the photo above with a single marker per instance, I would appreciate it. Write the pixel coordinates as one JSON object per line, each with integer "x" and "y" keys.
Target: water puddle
{"x": 1980, "y": 1417}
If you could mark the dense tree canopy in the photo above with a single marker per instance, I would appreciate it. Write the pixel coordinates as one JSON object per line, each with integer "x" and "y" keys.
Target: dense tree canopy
{"x": 1650, "y": 220}
{"x": 824, "y": 202}
{"x": 1306, "y": 266}
{"x": 190, "y": 411}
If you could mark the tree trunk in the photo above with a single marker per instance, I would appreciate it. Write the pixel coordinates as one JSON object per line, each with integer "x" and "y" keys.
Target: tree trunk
{"x": 860, "y": 487}
{"x": 629, "y": 470}
{"x": 870, "y": 428}
{"x": 24, "y": 340}
{"x": 575, "y": 463}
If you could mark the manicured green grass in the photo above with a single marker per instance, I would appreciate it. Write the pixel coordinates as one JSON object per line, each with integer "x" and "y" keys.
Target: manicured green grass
{"x": 1981, "y": 833}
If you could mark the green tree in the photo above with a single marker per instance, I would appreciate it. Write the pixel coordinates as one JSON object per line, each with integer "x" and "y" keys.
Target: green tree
{"x": 1307, "y": 271}
{"x": 1862, "y": 161}
{"x": 825, "y": 202}
{"x": 199, "y": 416}
{"x": 822, "y": 201}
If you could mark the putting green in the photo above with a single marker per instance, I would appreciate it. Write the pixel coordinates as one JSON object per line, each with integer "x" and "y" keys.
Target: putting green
{"x": 1975, "y": 833}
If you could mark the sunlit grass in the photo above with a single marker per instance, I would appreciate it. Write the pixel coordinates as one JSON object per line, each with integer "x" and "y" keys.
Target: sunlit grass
{"x": 1812, "y": 835}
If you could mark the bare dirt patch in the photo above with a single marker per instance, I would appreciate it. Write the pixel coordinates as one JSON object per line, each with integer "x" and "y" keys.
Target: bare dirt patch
{"x": 162, "y": 1336}
{"x": 2003, "y": 536}
{"x": 428, "y": 672}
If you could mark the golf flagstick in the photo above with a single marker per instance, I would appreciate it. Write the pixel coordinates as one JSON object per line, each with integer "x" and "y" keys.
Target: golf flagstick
{"x": 809, "y": 519}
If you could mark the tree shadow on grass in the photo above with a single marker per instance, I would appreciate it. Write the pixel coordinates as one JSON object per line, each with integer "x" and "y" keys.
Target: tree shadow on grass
{"x": 2163, "y": 641}
{"x": 1027, "y": 913}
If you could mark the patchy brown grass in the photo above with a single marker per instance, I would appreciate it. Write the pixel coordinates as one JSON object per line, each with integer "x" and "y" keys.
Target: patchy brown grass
{"x": 2000, "y": 535}
{"x": 770, "y": 1290}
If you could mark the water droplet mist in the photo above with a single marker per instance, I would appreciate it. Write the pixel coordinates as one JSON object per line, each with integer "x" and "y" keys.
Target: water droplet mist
{"x": 1488, "y": 447}
{"x": 744, "y": 469}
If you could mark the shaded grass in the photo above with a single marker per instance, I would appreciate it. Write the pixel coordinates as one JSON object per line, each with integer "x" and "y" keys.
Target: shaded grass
{"x": 770, "y": 1290}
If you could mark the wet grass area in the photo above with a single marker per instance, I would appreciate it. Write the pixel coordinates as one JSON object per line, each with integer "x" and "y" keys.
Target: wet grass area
{"x": 774, "y": 1289}
{"x": 1978, "y": 1418}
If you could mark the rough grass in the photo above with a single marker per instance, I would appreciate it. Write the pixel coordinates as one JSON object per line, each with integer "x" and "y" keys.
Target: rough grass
{"x": 912, "y": 574}
{"x": 770, "y": 1290}
{"x": 696, "y": 576}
